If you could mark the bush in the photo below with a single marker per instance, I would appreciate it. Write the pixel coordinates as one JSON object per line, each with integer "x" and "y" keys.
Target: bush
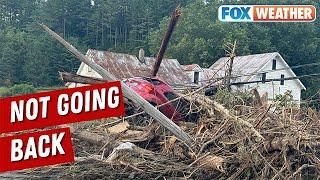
{"x": 18, "y": 89}
{"x": 285, "y": 100}
{"x": 4, "y": 92}
{"x": 231, "y": 99}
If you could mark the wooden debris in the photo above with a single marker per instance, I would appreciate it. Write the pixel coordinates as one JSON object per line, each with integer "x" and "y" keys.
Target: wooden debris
{"x": 165, "y": 41}
{"x": 140, "y": 136}
{"x": 227, "y": 114}
{"x": 119, "y": 128}
{"x": 212, "y": 163}
{"x": 257, "y": 97}
{"x": 69, "y": 77}
{"x": 224, "y": 148}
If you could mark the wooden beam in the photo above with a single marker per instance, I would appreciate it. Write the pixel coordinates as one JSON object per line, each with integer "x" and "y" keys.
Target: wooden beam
{"x": 74, "y": 78}
{"x": 127, "y": 91}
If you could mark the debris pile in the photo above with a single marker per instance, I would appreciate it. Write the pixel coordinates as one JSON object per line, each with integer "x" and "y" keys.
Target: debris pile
{"x": 242, "y": 138}
{"x": 247, "y": 141}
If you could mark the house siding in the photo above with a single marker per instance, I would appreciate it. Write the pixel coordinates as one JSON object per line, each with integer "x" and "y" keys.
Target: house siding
{"x": 274, "y": 88}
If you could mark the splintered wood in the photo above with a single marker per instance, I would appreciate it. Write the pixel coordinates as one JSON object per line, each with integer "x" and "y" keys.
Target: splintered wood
{"x": 257, "y": 144}
{"x": 234, "y": 140}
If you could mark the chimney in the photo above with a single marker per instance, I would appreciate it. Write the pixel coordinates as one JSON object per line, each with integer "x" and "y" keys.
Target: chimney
{"x": 141, "y": 56}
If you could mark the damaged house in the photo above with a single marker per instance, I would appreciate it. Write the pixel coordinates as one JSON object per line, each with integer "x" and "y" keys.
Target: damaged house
{"x": 251, "y": 71}
{"x": 262, "y": 67}
{"x": 124, "y": 66}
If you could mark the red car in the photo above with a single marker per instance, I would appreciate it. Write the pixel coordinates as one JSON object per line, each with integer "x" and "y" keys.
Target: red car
{"x": 157, "y": 93}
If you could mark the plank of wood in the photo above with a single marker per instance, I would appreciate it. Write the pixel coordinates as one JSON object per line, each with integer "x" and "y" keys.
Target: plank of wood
{"x": 69, "y": 77}
{"x": 119, "y": 128}
{"x": 127, "y": 91}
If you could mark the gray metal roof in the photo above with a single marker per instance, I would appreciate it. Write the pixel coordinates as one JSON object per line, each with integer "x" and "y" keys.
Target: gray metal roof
{"x": 249, "y": 64}
{"x": 243, "y": 64}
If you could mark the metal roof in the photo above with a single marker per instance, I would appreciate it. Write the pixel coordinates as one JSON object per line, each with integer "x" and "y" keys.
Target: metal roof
{"x": 243, "y": 64}
{"x": 249, "y": 64}
{"x": 124, "y": 66}
{"x": 209, "y": 74}
{"x": 191, "y": 67}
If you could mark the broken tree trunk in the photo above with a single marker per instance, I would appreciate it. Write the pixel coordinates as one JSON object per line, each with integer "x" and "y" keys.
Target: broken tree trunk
{"x": 127, "y": 91}
{"x": 257, "y": 97}
{"x": 173, "y": 21}
{"x": 232, "y": 56}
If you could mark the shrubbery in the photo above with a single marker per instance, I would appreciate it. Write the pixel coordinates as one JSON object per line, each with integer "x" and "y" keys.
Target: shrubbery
{"x": 4, "y": 91}
{"x": 17, "y": 89}
{"x": 230, "y": 99}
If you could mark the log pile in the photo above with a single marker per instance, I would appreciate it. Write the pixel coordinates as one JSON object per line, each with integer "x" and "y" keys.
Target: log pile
{"x": 260, "y": 142}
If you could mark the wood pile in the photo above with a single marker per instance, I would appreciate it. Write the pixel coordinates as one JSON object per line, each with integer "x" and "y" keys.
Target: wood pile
{"x": 262, "y": 142}
{"x": 246, "y": 140}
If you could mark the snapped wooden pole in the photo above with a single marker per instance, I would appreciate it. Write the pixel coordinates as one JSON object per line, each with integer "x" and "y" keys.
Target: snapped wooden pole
{"x": 127, "y": 91}
{"x": 232, "y": 56}
{"x": 165, "y": 41}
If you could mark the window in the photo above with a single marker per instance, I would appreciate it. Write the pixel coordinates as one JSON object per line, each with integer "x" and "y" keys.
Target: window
{"x": 196, "y": 77}
{"x": 263, "y": 77}
{"x": 178, "y": 102}
{"x": 274, "y": 64}
{"x": 89, "y": 69}
{"x": 282, "y": 79}
{"x": 171, "y": 96}
{"x": 154, "y": 81}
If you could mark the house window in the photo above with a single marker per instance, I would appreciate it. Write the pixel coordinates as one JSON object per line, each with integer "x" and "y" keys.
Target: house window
{"x": 196, "y": 77}
{"x": 274, "y": 64}
{"x": 282, "y": 79}
{"x": 263, "y": 77}
{"x": 89, "y": 69}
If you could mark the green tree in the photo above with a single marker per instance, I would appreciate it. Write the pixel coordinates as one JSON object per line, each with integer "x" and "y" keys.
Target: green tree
{"x": 13, "y": 48}
{"x": 200, "y": 36}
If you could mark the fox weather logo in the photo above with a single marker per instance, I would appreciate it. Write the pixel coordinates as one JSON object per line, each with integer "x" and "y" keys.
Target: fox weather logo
{"x": 267, "y": 13}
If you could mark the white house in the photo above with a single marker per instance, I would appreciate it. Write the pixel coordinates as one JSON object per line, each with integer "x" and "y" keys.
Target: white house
{"x": 194, "y": 71}
{"x": 260, "y": 67}
{"x": 198, "y": 75}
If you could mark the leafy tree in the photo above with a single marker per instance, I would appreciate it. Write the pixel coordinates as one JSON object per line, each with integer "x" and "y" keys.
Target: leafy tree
{"x": 200, "y": 36}
{"x": 17, "y": 13}
{"x": 27, "y": 54}
{"x": 12, "y": 55}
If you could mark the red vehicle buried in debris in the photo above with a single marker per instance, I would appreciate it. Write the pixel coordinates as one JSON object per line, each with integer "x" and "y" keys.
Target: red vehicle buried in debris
{"x": 160, "y": 94}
